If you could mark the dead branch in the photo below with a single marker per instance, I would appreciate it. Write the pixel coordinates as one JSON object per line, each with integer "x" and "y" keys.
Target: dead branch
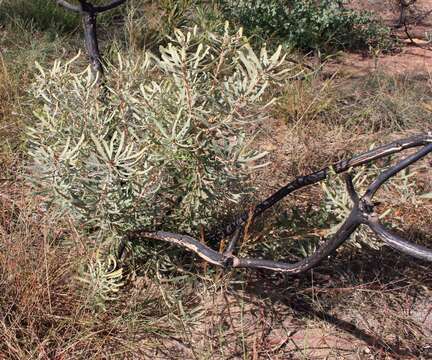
{"x": 362, "y": 213}
{"x": 339, "y": 167}
{"x": 404, "y": 5}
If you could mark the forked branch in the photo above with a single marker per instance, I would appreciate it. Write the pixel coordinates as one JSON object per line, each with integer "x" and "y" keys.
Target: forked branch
{"x": 113, "y": 4}
{"x": 68, "y": 5}
{"x": 362, "y": 213}
{"x": 339, "y": 167}
{"x": 89, "y": 14}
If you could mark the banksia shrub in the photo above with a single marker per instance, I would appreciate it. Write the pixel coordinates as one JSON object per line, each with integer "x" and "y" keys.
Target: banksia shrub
{"x": 165, "y": 144}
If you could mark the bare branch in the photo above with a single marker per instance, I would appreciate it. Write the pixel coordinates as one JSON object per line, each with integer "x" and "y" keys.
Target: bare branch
{"x": 339, "y": 167}
{"x": 351, "y": 190}
{"x": 185, "y": 241}
{"x": 396, "y": 242}
{"x": 383, "y": 177}
{"x": 69, "y": 6}
{"x": 343, "y": 234}
{"x": 229, "y": 260}
{"x": 361, "y": 213}
{"x": 232, "y": 244}
{"x": 113, "y": 4}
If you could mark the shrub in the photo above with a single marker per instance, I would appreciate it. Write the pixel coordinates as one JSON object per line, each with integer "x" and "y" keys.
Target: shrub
{"x": 168, "y": 144}
{"x": 325, "y": 25}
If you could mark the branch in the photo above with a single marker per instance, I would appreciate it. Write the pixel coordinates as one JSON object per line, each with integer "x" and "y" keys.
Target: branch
{"x": 339, "y": 167}
{"x": 69, "y": 6}
{"x": 396, "y": 242}
{"x": 229, "y": 260}
{"x": 351, "y": 190}
{"x": 185, "y": 241}
{"x": 232, "y": 244}
{"x": 384, "y": 176}
{"x": 343, "y": 234}
{"x": 96, "y": 9}
{"x": 113, "y": 4}
{"x": 89, "y": 14}
{"x": 361, "y": 213}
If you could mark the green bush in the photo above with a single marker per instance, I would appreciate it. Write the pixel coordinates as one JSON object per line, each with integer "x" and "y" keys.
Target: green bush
{"x": 168, "y": 144}
{"x": 324, "y": 25}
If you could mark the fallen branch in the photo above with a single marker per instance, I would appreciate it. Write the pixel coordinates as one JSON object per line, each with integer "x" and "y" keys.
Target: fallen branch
{"x": 339, "y": 167}
{"x": 362, "y": 213}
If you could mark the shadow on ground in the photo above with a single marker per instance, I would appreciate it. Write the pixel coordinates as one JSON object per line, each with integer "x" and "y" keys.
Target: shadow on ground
{"x": 371, "y": 297}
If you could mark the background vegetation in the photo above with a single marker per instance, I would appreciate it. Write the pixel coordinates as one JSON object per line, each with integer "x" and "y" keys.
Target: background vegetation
{"x": 320, "y": 26}
{"x": 62, "y": 294}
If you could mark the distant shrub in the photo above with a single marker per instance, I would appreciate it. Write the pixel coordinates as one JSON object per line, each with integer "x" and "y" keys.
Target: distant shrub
{"x": 167, "y": 146}
{"x": 324, "y": 25}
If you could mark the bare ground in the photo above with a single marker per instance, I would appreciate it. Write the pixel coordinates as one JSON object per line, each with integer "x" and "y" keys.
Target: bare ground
{"x": 415, "y": 54}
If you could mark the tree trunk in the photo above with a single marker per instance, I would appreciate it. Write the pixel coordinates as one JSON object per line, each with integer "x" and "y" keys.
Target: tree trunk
{"x": 91, "y": 42}
{"x": 89, "y": 12}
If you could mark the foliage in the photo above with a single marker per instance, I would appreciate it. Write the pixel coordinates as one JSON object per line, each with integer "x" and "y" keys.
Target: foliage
{"x": 167, "y": 145}
{"x": 103, "y": 280}
{"x": 322, "y": 26}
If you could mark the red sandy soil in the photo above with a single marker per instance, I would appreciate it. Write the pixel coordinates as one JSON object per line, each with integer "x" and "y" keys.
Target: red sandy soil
{"x": 415, "y": 55}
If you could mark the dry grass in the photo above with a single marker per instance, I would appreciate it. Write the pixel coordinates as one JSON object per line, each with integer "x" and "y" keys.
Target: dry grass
{"x": 372, "y": 306}
{"x": 8, "y": 96}
{"x": 43, "y": 314}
